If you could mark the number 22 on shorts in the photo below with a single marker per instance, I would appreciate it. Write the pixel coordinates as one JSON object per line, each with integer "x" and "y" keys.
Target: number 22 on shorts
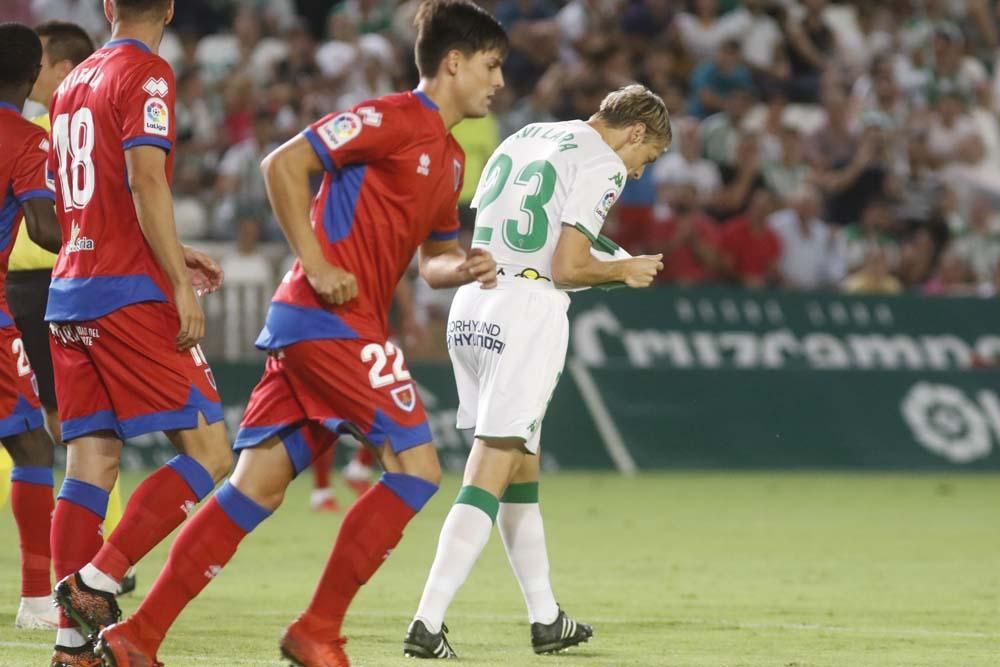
{"x": 379, "y": 354}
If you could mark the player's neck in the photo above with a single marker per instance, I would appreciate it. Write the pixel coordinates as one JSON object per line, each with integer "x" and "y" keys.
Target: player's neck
{"x": 613, "y": 137}
{"x": 447, "y": 106}
{"x": 150, "y": 35}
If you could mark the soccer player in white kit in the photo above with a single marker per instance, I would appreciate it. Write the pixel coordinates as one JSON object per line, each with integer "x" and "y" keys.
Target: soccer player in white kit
{"x": 541, "y": 204}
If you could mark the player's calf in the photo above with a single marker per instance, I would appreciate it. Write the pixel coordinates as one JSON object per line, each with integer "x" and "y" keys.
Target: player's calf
{"x": 559, "y": 635}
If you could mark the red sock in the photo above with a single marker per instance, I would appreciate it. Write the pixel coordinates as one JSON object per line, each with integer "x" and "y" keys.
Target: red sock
{"x": 76, "y": 537}
{"x": 371, "y": 528}
{"x": 201, "y": 549}
{"x": 365, "y": 457}
{"x": 33, "y": 505}
{"x": 156, "y": 508}
{"x": 321, "y": 469}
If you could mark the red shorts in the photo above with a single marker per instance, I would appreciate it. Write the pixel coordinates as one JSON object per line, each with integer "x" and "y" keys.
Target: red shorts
{"x": 123, "y": 373}
{"x": 20, "y": 410}
{"x": 312, "y": 388}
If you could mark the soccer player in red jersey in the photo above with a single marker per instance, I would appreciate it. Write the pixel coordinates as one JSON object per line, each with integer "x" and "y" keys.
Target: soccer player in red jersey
{"x": 24, "y": 147}
{"x": 125, "y": 320}
{"x": 393, "y": 174}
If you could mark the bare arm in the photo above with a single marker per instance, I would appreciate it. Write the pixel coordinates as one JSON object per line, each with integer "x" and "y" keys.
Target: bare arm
{"x": 42, "y": 224}
{"x": 154, "y": 207}
{"x": 286, "y": 174}
{"x": 574, "y": 266}
{"x": 444, "y": 264}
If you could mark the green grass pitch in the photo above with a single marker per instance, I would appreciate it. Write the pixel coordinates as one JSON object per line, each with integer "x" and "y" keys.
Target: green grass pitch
{"x": 672, "y": 569}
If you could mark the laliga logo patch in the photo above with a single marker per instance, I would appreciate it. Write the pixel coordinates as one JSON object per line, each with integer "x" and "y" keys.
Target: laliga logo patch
{"x": 607, "y": 201}
{"x": 405, "y": 397}
{"x": 156, "y": 117}
{"x": 339, "y": 130}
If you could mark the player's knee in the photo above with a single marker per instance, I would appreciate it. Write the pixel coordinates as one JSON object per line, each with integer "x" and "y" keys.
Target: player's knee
{"x": 218, "y": 463}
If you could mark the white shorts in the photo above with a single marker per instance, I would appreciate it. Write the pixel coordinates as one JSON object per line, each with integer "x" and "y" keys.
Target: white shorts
{"x": 508, "y": 348}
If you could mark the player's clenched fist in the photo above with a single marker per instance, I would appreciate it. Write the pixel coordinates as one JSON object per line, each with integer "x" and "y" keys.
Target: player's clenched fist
{"x": 333, "y": 284}
{"x": 191, "y": 316}
{"x": 481, "y": 267}
{"x": 640, "y": 271}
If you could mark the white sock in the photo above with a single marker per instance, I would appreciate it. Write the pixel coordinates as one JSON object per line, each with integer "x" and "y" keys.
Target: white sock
{"x": 70, "y": 637}
{"x": 524, "y": 539}
{"x": 319, "y": 496}
{"x": 98, "y": 580}
{"x": 463, "y": 537}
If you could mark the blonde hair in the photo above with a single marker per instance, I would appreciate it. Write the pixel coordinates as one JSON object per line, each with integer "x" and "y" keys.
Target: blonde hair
{"x": 637, "y": 104}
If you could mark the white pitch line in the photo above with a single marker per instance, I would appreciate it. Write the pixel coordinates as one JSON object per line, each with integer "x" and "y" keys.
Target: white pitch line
{"x": 701, "y": 622}
{"x": 613, "y": 441}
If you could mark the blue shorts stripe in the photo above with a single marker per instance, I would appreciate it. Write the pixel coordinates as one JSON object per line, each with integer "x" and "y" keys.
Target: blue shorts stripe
{"x": 94, "y": 498}
{"x": 298, "y": 449}
{"x": 244, "y": 512}
{"x": 32, "y": 475}
{"x": 192, "y": 472}
{"x": 401, "y": 437}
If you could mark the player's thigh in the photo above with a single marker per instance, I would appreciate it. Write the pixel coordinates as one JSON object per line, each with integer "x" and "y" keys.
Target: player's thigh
{"x": 263, "y": 473}
{"x": 274, "y": 413}
{"x": 360, "y": 383}
{"x": 492, "y": 463}
{"x": 517, "y": 381}
{"x": 529, "y": 470}
{"x": 27, "y": 296}
{"x": 153, "y": 386}
{"x": 84, "y": 404}
{"x": 207, "y": 444}
{"x": 94, "y": 458}
{"x": 31, "y": 448}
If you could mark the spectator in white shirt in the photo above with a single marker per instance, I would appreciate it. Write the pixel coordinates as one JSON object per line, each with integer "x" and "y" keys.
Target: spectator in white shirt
{"x": 684, "y": 159}
{"x": 812, "y": 254}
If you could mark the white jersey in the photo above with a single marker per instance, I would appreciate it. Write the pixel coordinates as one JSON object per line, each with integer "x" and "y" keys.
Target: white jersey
{"x": 541, "y": 177}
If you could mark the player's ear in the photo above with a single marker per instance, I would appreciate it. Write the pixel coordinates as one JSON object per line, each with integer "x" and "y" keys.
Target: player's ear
{"x": 170, "y": 14}
{"x": 453, "y": 60}
{"x": 637, "y": 134}
{"x": 109, "y": 11}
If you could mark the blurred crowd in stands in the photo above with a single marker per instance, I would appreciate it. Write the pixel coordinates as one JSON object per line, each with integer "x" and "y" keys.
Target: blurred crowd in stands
{"x": 818, "y": 145}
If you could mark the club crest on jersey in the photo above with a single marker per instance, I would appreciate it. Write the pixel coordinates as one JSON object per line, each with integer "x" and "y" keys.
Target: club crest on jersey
{"x": 604, "y": 205}
{"x": 458, "y": 174}
{"x": 424, "y": 168}
{"x": 339, "y": 130}
{"x": 405, "y": 397}
{"x": 156, "y": 117}
{"x": 156, "y": 87}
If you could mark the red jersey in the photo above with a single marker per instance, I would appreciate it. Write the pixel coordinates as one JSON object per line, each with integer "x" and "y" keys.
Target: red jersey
{"x": 753, "y": 251}
{"x": 393, "y": 176}
{"x": 24, "y": 147}
{"x": 683, "y": 265}
{"x": 119, "y": 98}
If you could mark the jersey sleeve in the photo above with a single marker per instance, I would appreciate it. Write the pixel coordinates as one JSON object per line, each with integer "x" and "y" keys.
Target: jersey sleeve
{"x": 591, "y": 197}
{"x": 367, "y": 133}
{"x": 446, "y": 228}
{"x": 29, "y": 176}
{"x": 146, "y": 106}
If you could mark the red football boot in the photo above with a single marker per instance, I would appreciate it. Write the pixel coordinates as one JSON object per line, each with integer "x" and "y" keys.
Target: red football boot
{"x": 304, "y": 650}
{"x": 117, "y": 647}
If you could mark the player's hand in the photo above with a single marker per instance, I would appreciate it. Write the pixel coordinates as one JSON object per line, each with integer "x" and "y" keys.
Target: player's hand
{"x": 206, "y": 274}
{"x": 480, "y": 266}
{"x": 333, "y": 284}
{"x": 640, "y": 271}
{"x": 191, "y": 316}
